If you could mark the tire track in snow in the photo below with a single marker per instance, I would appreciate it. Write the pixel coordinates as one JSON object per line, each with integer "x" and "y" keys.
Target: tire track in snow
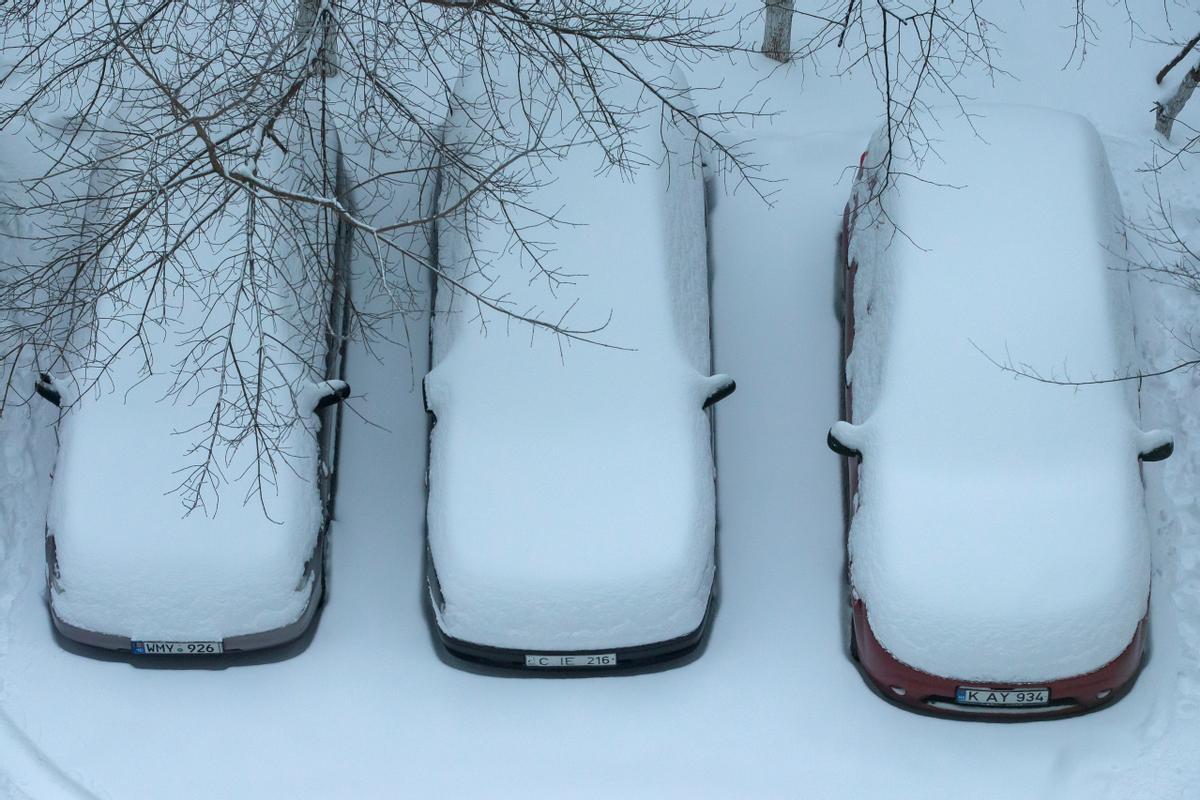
{"x": 1171, "y": 733}
{"x": 30, "y": 771}
{"x": 25, "y": 769}
{"x": 1178, "y": 521}
{"x": 16, "y": 479}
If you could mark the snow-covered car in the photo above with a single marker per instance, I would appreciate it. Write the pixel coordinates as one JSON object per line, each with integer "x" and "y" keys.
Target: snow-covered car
{"x": 998, "y": 545}
{"x": 572, "y": 511}
{"x": 170, "y": 531}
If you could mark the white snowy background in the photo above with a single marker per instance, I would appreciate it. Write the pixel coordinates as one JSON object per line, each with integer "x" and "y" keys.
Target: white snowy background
{"x": 773, "y": 707}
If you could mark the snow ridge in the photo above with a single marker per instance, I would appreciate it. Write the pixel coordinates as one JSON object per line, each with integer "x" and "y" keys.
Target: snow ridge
{"x": 1166, "y": 759}
{"x": 16, "y": 511}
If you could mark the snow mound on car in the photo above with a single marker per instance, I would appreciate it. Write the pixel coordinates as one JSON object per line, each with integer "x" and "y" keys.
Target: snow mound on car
{"x": 135, "y": 556}
{"x": 1000, "y": 532}
{"x": 571, "y": 498}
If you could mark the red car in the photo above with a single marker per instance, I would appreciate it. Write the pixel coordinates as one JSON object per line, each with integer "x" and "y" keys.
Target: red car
{"x": 998, "y": 546}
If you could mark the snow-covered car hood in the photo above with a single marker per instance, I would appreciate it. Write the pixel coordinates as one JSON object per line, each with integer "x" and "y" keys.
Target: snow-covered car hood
{"x": 572, "y": 519}
{"x": 131, "y": 563}
{"x": 987, "y": 576}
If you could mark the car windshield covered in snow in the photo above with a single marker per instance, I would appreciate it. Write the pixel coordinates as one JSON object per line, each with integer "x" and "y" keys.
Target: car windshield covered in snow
{"x": 571, "y": 497}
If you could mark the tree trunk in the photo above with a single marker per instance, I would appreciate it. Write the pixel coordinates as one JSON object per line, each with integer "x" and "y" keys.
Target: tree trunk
{"x": 1166, "y": 113}
{"x": 1180, "y": 56}
{"x": 777, "y": 29}
{"x": 308, "y": 17}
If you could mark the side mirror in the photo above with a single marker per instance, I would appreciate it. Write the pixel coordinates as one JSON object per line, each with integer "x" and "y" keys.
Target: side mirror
{"x": 843, "y": 440}
{"x": 324, "y": 394}
{"x": 425, "y": 402}
{"x": 1156, "y": 445}
{"x": 719, "y": 387}
{"x": 44, "y": 386}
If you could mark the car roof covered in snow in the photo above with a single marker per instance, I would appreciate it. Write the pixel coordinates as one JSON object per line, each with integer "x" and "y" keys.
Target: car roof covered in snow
{"x": 1000, "y": 532}
{"x": 571, "y": 495}
{"x": 137, "y": 557}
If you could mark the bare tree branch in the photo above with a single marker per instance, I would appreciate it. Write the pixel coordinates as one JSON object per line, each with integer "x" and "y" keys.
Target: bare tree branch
{"x": 187, "y": 152}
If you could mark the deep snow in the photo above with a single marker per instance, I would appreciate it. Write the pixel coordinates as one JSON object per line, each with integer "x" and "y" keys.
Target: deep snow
{"x": 773, "y": 708}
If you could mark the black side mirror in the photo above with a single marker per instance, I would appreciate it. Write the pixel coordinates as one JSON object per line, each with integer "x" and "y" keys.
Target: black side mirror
{"x": 334, "y": 393}
{"x": 721, "y": 386}
{"x": 840, "y": 438}
{"x": 433, "y": 390}
{"x": 44, "y": 386}
{"x": 425, "y": 402}
{"x": 1160, "y": 453}
{"x": 1156, "y": 445}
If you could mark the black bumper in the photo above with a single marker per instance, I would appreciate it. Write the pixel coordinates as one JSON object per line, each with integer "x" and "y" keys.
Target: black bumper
{"x": 669, "y": 653}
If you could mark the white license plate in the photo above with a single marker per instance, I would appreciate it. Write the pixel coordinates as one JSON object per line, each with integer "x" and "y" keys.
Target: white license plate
{"x": 176, "y": 648}
{"x": 580, "y": 660}
{"x": 978, "y": 696}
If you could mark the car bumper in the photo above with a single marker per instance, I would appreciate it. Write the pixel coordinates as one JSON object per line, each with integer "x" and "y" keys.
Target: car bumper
{"x": 920, "y": 691}
{"x": 595, "y": 661}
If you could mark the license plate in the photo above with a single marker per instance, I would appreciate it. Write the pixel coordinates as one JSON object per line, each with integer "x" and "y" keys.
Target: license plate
{"x": 579, "y": 660}
{"x": 978, "y": 696}
{"x": 176, "y": 648}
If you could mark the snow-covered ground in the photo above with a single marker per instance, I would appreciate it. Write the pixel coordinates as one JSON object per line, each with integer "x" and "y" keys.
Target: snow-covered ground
{"x": 773, "y": 707}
